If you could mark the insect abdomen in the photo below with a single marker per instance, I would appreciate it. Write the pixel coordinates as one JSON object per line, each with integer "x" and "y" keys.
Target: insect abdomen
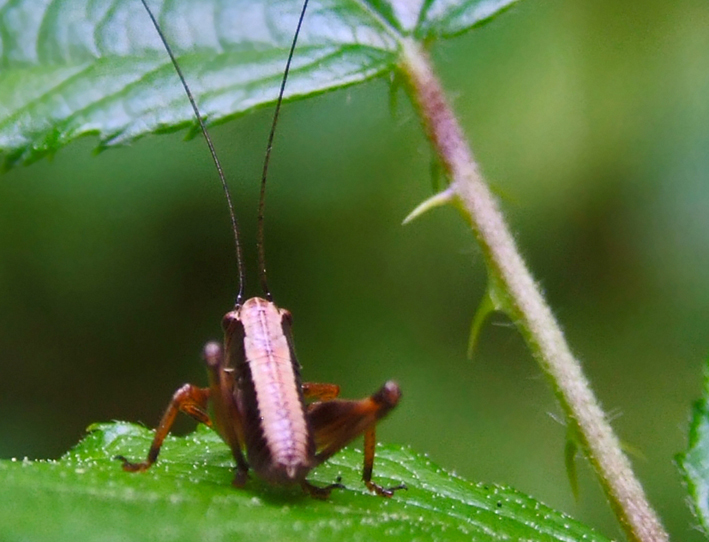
{"x": 279, "y": 444}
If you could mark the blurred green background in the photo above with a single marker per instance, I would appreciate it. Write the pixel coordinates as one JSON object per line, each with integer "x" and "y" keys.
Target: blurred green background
{"x": 589, "y": 119}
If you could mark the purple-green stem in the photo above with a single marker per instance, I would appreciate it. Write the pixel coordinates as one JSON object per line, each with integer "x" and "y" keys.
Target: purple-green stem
{"x": 523, "y": 300}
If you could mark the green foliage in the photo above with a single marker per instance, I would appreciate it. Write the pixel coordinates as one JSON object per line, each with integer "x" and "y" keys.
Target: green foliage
{"x": 694, "y": 462}
{"x": 74, "y": 67}
{"x": 188, "y": 496}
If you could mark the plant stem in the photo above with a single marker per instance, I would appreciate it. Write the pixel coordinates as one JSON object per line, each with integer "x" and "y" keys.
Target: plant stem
{"x": 525, "y": 303}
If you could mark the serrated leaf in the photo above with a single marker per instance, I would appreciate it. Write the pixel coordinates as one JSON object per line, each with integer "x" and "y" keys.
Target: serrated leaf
{"x": 442, "y": 18}
{"x": 77, "y": 67}
{"x": 694, "y": 462}
{"x": 188, "y": 496}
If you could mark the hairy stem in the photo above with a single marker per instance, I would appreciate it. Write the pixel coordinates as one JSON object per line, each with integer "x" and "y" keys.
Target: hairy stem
{"x": 525, "y": 303}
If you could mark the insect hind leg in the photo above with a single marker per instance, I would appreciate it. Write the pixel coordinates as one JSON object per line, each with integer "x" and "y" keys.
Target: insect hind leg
{"x": 337, "y": 422}
{"x": 370, "y": 443}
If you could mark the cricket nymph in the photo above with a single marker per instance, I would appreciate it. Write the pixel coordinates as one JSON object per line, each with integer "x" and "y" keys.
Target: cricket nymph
{"x": 256, "y": 400}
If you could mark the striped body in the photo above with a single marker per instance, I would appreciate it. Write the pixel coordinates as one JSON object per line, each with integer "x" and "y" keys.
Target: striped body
{"x": 268, "y": 392}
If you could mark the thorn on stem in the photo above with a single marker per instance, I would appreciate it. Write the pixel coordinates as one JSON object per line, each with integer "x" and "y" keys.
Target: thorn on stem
{"x": 434, "y": 201}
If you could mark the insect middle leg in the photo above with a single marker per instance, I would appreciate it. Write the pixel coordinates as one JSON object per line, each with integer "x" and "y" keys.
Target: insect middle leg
{"x": 188, "y": 399}
{"x": 337, "y": 422}
{"x": 320, "y": 391}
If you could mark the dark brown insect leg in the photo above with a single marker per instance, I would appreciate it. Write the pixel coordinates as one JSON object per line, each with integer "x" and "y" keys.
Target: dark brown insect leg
{"x": 320, "y": 492}
{"x": 188, "y": 399}
{"x": 370, "y": 443}
{"x": 227, "y": 418}
{"x": 336, "y": 423}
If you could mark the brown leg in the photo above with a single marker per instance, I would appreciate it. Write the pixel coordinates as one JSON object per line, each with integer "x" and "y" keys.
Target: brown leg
{"x": 370, "y": 443}
{"x": 320, "y": 492}
{"x": 225, "y": 410}
{"x": 320, "y": 391}
{"x": 188, "y": 399}
{"x": 336, "y": 423}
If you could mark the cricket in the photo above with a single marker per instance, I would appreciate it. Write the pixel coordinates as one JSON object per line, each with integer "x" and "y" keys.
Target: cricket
{"x": 274, "y": 423}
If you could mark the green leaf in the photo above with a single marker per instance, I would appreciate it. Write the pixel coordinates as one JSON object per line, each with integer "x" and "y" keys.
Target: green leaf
{"x": 694, "y": 462}
{"x": 443, "y": 18}
{"x": 188, "y": 496}
{"x": 495, "y": 300}
{"x": 76, "y": 67}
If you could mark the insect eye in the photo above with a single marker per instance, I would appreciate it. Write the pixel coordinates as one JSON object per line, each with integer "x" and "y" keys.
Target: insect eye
{"x": 229, "y": 319}
{"x": 286, "y": 317}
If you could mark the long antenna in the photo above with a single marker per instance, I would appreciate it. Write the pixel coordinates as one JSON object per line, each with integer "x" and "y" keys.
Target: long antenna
{"x": 267, "y": 159}
{"x": 215, "y": 158}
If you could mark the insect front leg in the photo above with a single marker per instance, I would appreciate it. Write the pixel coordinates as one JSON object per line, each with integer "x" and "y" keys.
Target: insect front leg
{"x": 337, "y": 422}
{"x": 188, "y": 399}
{"x": 226, "y": 414}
